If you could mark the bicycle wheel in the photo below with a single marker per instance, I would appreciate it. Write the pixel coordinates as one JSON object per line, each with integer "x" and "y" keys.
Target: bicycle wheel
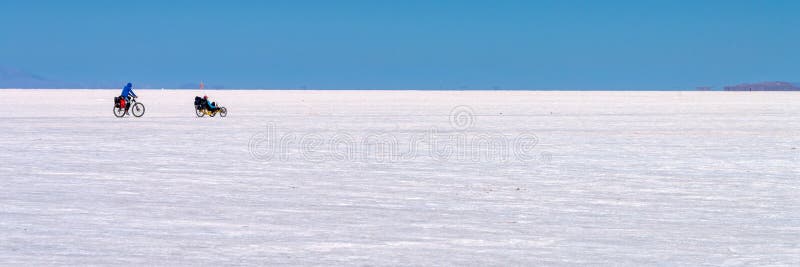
{"x": 223, "y": 112}
{"x": 138, "y": 110}
{"x": 119, "y": 112}
{"x": 199, "y": 112}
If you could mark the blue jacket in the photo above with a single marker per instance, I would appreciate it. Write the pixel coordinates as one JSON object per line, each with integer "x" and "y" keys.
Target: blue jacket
{"x": 211, "y": 105}
{"x": 128, "y": 90}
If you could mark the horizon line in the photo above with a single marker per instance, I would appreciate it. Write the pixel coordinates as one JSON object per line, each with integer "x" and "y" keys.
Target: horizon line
{"x": 439, "y": 90}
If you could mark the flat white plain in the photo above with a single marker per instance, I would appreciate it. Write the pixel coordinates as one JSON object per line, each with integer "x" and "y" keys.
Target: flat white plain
{"x": 616, "y": 178}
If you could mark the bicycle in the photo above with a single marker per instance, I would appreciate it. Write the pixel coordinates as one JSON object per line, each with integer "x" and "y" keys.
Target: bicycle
{"x": 122, "y": 106}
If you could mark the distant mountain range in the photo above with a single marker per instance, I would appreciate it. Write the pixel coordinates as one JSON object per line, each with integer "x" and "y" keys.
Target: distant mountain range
{"x": 763, "y": 86}
{"x": 15, "y": 78}
{"x": 18, "y": 79}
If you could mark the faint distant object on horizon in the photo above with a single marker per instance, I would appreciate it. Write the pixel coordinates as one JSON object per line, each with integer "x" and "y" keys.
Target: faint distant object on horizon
{"x": 763, "y": 86}
{"x": 201, "y": 86}
{"x": 704, "y": 88}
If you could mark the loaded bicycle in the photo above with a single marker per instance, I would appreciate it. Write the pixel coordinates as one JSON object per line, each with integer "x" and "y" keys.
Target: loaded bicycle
{"x": 124, "y": 106}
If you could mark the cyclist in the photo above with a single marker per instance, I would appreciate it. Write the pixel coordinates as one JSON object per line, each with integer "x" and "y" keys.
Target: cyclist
{"x": 212, "y": 107}
{"x": 127, "y": 93}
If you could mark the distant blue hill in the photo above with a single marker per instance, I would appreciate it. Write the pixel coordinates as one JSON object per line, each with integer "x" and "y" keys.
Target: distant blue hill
{"x": 764, "y": 86}
{"x": 15, "y": 78}
{"x": 12, "y": 78}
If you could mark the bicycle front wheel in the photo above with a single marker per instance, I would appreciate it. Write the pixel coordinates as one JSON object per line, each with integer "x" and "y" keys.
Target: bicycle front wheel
{"x": 138, "y": 110}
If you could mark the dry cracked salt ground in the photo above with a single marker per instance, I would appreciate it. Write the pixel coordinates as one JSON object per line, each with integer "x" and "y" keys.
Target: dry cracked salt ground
{"x": 615, "y": 178}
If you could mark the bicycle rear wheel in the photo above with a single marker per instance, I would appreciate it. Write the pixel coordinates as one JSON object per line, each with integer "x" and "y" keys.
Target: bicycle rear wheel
{"x": 119, "y": 112}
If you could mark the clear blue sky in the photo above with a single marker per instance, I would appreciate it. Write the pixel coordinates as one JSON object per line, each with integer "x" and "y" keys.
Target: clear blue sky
{"x": 438, "y": 44}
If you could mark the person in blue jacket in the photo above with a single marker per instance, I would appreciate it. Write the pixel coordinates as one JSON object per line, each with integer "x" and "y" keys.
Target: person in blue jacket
{"x": 211, "y": 106}
{"x": 127, "y": 93}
